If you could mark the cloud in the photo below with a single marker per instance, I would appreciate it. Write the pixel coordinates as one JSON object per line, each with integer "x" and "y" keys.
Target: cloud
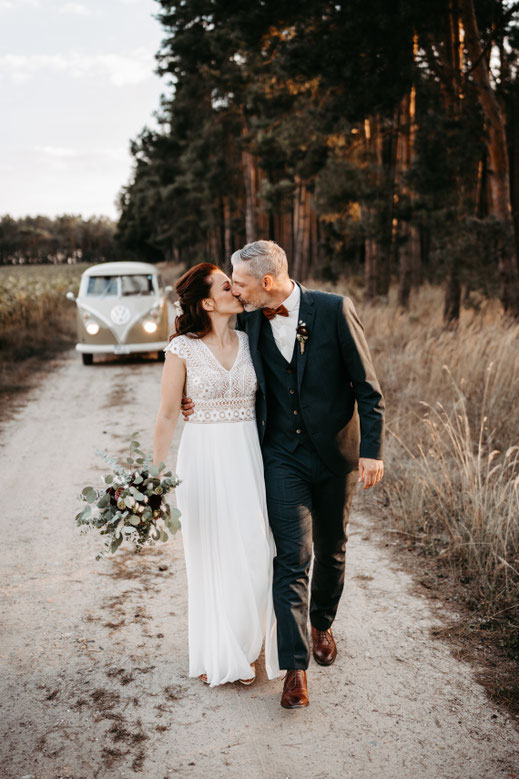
{"x": 76, "y": 8}
{"x": 121, "y": 70}
{"x": 10, "y": 3}
{"x": 57, "y": 151}
{"x": 118, "y": 154}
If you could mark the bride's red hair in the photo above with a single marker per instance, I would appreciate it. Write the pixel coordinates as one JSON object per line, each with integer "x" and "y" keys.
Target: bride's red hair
{"x": 191, "y": 288}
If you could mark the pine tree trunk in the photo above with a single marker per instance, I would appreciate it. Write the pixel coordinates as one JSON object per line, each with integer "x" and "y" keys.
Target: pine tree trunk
{"x": 249, "y": 180}
{"x": 227, "y": 237}
{"x": 452, "y": 299}
{"x": 513, "y": 146}
{"x": 302, "y": 222}
{"x": 499, "y": 172}
{"x": 370, "y": 268}
{"x": 408, "y": 243}
{"x": 405, "y": 266}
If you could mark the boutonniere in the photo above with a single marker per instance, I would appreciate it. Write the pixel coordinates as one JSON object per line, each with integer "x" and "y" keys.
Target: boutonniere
{"x": 302, "y": 334}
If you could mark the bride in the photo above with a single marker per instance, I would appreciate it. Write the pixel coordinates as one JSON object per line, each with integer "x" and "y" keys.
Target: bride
{"x": 228, "y": 544}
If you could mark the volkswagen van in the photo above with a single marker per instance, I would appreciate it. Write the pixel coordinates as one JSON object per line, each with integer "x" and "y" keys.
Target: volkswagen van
{"x": 121, "y": 309}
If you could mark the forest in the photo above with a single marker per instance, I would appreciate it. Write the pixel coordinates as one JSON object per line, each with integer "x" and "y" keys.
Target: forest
{"x": 379, "y": 139}
{"x": 63, "y": 239}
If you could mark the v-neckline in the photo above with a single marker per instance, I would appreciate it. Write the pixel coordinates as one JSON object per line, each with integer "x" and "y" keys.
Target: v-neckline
{"x": 217, "y": 361}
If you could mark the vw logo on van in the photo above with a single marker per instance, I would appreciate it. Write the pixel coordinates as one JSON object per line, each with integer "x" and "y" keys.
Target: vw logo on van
{"x": 120, "y": 315}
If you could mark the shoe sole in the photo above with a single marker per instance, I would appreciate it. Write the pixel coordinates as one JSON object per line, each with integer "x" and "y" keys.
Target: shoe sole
{"x": 297, "y": 706}
{"x": 321, "y": 662}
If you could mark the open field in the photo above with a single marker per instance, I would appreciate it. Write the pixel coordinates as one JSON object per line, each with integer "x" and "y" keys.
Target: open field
{"x": 31, "y": 293}
{"x": 36, "y": 319}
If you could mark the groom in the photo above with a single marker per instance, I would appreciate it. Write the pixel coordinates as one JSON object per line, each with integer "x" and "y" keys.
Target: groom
{"x": 316, "y": 381}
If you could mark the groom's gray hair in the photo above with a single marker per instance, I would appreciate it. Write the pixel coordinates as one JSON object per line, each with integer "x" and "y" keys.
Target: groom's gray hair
{"x": 262, "y": 258}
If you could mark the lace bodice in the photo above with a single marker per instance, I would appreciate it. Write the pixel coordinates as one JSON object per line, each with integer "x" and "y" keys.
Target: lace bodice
{"x": 219, "y": 395}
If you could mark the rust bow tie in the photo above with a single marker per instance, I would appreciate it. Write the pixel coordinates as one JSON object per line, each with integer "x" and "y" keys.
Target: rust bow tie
{"x": 270, "y": 313}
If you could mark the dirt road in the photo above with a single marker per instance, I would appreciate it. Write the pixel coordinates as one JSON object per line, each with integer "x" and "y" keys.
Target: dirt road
{"x": 94, "y": 654}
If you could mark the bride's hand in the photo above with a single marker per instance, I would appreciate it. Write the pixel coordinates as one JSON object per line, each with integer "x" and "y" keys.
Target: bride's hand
{"x": 187, "y": 408}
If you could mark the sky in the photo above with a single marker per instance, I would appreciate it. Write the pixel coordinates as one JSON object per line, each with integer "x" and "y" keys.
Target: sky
{"x": 77, "y": 83}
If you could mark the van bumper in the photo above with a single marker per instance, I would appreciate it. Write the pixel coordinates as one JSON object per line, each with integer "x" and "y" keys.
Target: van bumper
{"x": 154, "y": 346}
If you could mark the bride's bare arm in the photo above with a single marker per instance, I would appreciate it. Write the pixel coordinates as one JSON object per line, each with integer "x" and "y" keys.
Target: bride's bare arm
{"x": 173, "y": 379}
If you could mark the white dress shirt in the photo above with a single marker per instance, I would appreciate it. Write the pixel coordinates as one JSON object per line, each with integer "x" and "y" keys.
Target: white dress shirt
{"x": 284, "y": 327}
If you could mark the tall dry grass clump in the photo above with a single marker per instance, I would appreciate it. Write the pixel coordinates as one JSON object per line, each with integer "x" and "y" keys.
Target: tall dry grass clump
{"x": 452, "y": 444}
{"x": 36, "y": 319}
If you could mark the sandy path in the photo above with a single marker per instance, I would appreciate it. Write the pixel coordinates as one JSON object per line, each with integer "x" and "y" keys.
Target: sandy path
{"x": 94, "y": 655}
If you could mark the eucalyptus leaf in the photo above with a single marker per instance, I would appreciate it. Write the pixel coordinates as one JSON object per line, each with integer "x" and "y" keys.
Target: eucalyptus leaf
{"x": 116, "y": 543}
{"x": 109, "y": 479}
{"x": 173, "y": 524}
{"x": 103, "y": 501}
{"x": 135, "y": 520}
{"x": 86, "y": 513}
{"x": 163, "y": 535}
{"x": 154, "y": 471}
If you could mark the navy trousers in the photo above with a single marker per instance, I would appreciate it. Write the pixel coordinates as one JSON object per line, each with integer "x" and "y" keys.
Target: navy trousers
{"x": 308, "y": 505}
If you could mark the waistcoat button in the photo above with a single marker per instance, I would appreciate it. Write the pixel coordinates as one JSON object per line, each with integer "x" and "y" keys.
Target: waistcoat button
{"x": 296, "y": 411}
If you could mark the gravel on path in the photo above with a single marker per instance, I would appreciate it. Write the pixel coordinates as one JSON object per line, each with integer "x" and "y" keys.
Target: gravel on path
{"x": 94, "y": 655}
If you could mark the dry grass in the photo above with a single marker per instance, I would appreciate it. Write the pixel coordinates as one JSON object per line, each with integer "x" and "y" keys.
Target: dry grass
{"x": 36, "y": 321}
{"x": 452, "y": 454}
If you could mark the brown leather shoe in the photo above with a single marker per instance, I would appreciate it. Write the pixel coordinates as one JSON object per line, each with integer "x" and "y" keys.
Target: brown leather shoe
{"x": 295, "y": 692}
{"x": 325, "y": 650}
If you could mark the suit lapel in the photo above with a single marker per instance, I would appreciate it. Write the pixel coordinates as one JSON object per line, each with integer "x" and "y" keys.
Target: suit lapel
{"x": 253, "y": 325}
{"x": 306, "y": 315}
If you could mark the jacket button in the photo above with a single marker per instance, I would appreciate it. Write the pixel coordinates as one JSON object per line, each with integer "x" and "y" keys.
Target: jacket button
{"x": 292, "y": 392}
{"x": 298, "y": 431}
{"x": 262, "y": 421}
{"x": 296, "y": 411}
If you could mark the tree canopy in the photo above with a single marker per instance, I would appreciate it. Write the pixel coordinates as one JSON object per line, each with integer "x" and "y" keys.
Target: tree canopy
{"x": 381, "y": 137}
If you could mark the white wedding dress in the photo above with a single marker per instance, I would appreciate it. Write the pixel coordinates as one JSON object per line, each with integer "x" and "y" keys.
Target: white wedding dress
{"x": 228, "y": 543}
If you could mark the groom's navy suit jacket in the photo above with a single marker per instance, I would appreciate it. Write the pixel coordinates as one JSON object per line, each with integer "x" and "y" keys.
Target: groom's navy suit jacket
{"x": 335, "y": 380}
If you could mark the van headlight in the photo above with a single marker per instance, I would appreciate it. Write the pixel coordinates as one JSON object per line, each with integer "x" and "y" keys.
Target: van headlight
{"x": 150, "y": 326}
{"x": 92, "y": 328}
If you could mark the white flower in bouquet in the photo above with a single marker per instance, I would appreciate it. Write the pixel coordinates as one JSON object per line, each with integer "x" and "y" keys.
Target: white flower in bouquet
{"x": 133, "y": 506}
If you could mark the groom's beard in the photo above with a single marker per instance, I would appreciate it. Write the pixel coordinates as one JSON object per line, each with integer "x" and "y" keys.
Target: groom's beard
{"x": 265, "y": 303}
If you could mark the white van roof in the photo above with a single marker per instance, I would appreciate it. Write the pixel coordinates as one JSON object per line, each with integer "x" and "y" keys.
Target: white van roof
{"x": 120, "y": 268}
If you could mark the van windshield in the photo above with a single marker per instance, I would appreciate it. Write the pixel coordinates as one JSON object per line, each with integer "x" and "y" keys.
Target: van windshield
{"x": 130, "y": 285}
{"x": 102, "y": 285}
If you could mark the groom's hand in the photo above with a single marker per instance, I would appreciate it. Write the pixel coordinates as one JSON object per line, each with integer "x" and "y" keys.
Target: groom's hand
{"x": 187, "y": 407}
{"x": 370, "y": 471}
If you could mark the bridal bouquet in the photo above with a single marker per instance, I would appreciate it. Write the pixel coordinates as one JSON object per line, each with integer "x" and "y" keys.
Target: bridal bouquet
{"x": 132, "y": 507}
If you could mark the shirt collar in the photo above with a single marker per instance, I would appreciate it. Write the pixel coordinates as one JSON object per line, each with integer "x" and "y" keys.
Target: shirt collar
{"x": 292, "y": 301}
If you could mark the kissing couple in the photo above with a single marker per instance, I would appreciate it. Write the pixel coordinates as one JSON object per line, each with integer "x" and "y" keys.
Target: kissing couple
{"x": 269, "y": 458}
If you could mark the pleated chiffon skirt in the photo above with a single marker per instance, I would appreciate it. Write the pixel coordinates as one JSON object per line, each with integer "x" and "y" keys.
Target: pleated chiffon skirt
{"x": 229, "y": 551}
